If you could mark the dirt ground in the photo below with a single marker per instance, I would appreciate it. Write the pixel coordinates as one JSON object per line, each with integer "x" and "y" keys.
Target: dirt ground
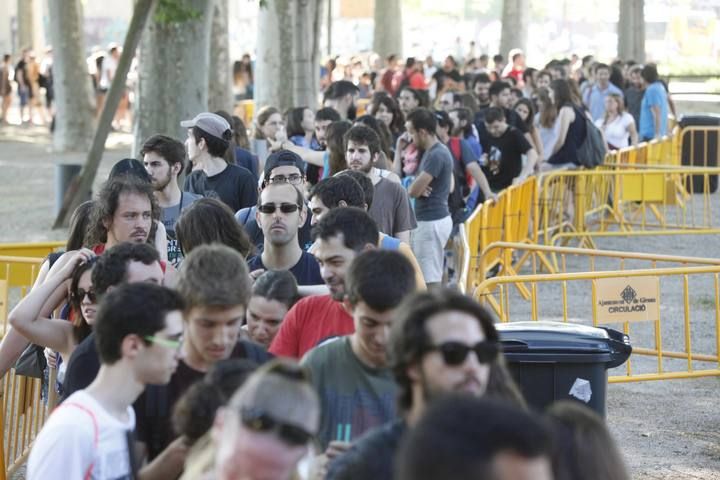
{"x": 665, "y": 429}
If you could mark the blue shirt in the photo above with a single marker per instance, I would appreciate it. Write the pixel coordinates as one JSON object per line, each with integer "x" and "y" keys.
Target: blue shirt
{"x": 595, "y": 99}
{"x": 655, "y": 96}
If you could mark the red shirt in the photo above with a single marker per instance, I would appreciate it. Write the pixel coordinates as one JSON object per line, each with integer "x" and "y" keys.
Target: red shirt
{"x": 309, "y": 322}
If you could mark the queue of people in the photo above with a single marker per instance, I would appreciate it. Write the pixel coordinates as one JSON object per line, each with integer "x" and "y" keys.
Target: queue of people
{"x": 288, "y": 311}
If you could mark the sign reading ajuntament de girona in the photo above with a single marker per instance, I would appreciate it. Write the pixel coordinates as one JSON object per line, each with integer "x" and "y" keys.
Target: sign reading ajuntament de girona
{"x": 633, "y": 299}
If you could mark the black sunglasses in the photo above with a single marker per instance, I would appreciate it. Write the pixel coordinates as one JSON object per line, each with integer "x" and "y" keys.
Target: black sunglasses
{"x": 270, "y": 208}
{"x": 79, "y": 295}
{"x": 455, "y": 353}
{"x": 260, "y": 421}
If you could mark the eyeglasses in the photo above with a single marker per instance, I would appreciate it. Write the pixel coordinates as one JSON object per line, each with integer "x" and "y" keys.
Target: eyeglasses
{"x": 80, "y": 294}
{"x": 293, "y": 179}
{"x": 165, "y": 342}
{"x": 455, "y": 353}
{"x": 270, "y": 208}
{"x": 259, "y": 421}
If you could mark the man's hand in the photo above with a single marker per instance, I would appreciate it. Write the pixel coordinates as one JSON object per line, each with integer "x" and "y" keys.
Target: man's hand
{"x": 336, "y": 448}
{"x": 427, "y": 192}
{"x": 256, "y": 273}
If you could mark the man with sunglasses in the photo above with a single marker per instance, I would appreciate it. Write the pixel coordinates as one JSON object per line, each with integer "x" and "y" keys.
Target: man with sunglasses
{"x": 280, "y": 213}
{"x": 442, "y": 342}
{"x": 139, "y": 330}
{"x": 282, "y": 166}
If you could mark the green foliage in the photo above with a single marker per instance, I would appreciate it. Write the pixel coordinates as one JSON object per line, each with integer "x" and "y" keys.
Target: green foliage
{"x": 175, "y": 11}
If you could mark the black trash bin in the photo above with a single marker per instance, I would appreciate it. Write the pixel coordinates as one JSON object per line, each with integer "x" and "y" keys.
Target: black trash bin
{"x": 557, "y": 361}
{"x": 700, "y": 149}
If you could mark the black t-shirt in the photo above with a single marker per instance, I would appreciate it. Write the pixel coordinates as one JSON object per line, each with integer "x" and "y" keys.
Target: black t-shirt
{"x": 257, "y": 237}
{"x": 512, "y": 145}
{"x": 235, "y": 186}
{"x": 82, "y": 368}
{"x": 153, "y": 409}
{"x": 306, "y": 271}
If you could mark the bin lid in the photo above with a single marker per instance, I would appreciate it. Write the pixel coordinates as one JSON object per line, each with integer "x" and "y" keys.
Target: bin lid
{"x": 553, "y": 337}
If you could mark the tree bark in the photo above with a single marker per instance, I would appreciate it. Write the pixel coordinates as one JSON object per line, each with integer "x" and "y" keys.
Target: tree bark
{"x": 273, "y": 69}
{"x": 631, "y": 31}
{"x": 387, "y": 37}
{"x": 25, "y": 24}
{"x": 81, "y": 185}
{"x": 73, "y": 91}
{"x": 173, "y": 73}
{"x": 306, "y": 60}
{"x": 220, "y": 95}
{"x": 515, "y": 23}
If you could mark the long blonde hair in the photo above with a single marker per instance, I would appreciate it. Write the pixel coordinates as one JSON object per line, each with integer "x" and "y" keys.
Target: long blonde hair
{"x": 620, "y": 107}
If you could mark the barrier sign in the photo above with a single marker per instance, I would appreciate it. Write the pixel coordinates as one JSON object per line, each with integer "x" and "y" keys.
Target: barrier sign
{"x": 627, "y": 299}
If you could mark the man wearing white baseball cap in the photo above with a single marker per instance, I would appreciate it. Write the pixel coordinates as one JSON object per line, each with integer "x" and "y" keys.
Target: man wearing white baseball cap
{"x": 207, "y": 141}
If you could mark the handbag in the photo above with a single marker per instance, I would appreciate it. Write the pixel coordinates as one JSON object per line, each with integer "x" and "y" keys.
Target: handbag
{"x": 32, "y": 362}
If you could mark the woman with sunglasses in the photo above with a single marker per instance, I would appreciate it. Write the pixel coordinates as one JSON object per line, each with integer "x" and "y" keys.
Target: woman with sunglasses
{"x": 266, "y": 428}
{"x": 72, "y": 283}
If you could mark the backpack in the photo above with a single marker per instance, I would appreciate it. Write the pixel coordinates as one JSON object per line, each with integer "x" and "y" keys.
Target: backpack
{"x": 456, "y": 199}
{"x": 591, "y": 152}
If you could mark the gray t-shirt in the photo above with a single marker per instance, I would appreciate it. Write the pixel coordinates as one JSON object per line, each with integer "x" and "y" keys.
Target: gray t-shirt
{"x": 438, "y": 162}
{"x": 353, "y": 396}
{"x": 169, "y": 218}
{"x": 391, "y": 208}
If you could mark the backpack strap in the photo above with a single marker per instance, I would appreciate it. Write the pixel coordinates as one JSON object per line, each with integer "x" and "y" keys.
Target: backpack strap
{"x": 96, "y": 431}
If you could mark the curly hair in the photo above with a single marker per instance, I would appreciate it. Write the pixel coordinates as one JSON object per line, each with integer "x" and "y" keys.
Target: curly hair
{"x": 106, "y": 204}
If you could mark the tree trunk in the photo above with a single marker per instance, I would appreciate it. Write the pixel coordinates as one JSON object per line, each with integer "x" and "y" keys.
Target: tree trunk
{"x": 80, "y": 186}
{"x": 273, "y": 68}
{"x": 173, "y": 73}
{"x": 515, "y": 23}
{"x": 25, "y": 24}
{"x": 73, "y": 92}
{"x": 220, "y": 95}
{"x": 306, "y": 61}
{"x": 387, "y": 37}
{"x": 631, "y": 31}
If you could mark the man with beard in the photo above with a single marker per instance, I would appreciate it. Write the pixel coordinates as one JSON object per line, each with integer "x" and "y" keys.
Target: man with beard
{"x": 341, "y": 96}
{"x": 280, "y": 213}
{"x": 163, "y": 158}
{"x": 441, "y": 342}
{"x": 340, "y": 236}
{"x": 391, "y": 206}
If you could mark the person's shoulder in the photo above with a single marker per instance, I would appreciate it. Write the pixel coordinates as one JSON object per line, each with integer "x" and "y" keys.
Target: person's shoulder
{"x": 252, "y": 351}
{"x": 239, "y": 172}
{"x": 189, "y": 197}
{"x": 327, "y": 350}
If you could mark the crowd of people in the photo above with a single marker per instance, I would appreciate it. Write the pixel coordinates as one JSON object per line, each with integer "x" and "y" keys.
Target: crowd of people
{"x": 287, "y": 310}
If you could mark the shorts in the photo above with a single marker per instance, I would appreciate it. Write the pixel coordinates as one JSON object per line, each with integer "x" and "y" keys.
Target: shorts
{"x": 428, "y": 243}
{"x": 24, "y": 94}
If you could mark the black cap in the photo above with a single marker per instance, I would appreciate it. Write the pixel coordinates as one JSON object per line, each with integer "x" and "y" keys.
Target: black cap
{"x": 283, "y": 158}
{"x": 129, "y": 166}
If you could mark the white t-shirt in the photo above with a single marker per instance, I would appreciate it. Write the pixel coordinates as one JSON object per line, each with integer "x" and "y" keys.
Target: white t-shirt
{"x": 548, "y": 136}
{"x": 109, "y": 66}
{"x": 80, "y": 437}
{"x": 616, "y": 132}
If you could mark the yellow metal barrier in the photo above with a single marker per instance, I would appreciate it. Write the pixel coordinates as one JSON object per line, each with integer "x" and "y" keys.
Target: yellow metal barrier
{"x": 623, "y": 202}
{"x": 21, "y": 272}
{"x": 681, "y": 339}
{"x": 23, "y": 411}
